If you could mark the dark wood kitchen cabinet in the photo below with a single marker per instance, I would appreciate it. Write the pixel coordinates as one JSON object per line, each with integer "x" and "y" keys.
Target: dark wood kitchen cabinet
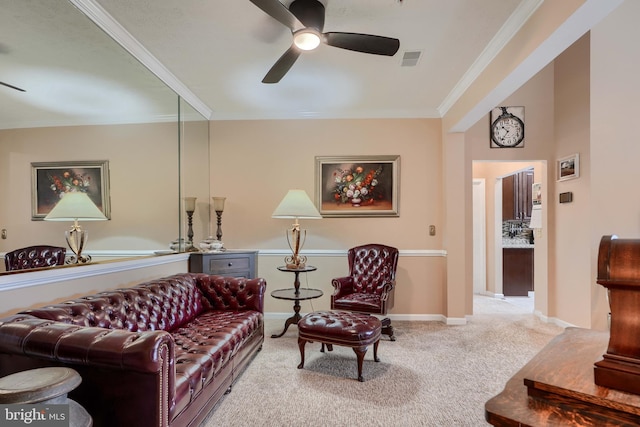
{"x": 517, "y": 195}
{"x": 517, "y": 271}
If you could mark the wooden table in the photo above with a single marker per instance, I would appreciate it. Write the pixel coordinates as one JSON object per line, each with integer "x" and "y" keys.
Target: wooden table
{"x": 296, "y": 295}
{"x": 557, "y": 388}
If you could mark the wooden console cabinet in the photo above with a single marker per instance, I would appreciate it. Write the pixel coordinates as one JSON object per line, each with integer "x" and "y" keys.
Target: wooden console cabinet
{"x": 557, "y": 388}
{"x": 228, "y": 263}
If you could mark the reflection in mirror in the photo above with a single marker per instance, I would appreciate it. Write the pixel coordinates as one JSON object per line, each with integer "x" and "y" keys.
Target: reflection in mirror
{"x": 194, "y": 172}
{"x": 88, "y": 99}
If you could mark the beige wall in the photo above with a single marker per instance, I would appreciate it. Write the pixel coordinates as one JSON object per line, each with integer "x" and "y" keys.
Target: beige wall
{"x": 570, "y": 277}
{"x": 254, "y": 163}
{"x": 614, "y": 207}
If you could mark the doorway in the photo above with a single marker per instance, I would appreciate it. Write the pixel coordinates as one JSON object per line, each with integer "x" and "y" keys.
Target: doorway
{"x": 488, "y": 247}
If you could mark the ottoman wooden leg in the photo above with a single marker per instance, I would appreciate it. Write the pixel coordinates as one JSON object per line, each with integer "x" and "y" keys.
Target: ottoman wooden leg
{"x": 301, "y": 343}
{"x": 360, "y": 352}
{"x": 387, "y": 329}
{"x": 375, "y": 351}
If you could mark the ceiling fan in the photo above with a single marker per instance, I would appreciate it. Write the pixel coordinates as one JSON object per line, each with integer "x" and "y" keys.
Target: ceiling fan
{"x": 12, "y": 86}
{"x": 305, "y": 19}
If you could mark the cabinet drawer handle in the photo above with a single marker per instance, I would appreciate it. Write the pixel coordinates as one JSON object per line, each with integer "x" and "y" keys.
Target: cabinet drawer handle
{"x": 230, "y": 264}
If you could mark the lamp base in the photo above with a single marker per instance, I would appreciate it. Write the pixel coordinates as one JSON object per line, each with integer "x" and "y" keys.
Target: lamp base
{"x": 76, "y": 239}
{"x": 78, "y": 259}
{"x": 295, "y": 262}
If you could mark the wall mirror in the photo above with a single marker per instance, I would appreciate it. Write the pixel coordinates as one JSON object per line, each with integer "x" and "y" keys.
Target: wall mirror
{"x": 87, "y": 99}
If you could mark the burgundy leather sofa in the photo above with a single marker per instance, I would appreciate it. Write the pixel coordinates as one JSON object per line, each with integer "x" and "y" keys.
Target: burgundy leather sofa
{"x": 161, "y": 353}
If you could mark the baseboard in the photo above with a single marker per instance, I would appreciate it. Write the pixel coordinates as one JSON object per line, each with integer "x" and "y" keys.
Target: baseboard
{"x": 553, "y": 320}
{"x": 399, "y": 317}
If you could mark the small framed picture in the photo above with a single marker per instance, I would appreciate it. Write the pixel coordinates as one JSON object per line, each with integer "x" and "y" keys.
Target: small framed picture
{"x": 568, "y": 167}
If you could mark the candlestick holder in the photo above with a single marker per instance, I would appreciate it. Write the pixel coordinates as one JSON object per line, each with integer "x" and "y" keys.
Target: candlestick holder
{"x": 190, "y": 207}
{"x": 218, "y": 207}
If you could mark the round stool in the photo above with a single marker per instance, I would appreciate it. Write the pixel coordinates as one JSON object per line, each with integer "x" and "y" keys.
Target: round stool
{"x": 45, "y": 386}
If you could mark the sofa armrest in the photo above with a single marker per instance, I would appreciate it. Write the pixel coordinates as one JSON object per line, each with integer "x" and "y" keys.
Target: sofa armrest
{"x": 342, "y": 286}
{"x": 232, "y": 293}
{"x": 26, "y": 335}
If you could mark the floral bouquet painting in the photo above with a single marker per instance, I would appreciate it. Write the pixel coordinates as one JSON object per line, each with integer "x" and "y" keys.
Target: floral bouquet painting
{"x": 51, "y": 181}
{"x": 357, "y": 186}
{"x": 69, "y": 180}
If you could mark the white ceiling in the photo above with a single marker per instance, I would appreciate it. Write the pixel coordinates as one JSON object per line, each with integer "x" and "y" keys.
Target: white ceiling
{"x": 215, "y": 53}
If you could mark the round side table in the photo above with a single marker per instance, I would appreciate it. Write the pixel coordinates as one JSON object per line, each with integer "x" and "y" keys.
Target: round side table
{"x": 45, "y": 386}
{"x": 296, "y": 295}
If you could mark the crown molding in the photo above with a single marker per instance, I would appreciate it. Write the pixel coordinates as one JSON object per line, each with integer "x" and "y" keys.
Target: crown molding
{"x": 120, "y": 35}
{"x": 517, "y": 19}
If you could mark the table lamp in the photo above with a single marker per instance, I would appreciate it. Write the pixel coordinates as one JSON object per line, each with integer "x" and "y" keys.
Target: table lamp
{"x": 76, "y": 206}
{"x": 297, "y": 205}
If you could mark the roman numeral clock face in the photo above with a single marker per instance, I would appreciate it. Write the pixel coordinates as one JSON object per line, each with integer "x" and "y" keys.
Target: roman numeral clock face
{"x": 507, "y": 127}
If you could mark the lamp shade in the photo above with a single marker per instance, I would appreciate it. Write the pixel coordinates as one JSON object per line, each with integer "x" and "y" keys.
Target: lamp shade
{"x": 296, "y": 204}
{"x": 75, "y": 206}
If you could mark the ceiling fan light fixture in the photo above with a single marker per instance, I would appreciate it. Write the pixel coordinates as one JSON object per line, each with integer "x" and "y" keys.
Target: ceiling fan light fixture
{"x": 307, "y": 39}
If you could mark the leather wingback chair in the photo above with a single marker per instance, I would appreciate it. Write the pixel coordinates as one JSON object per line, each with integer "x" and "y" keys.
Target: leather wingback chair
{"x": 370, "y": 285}
{"x": 34, "y": 257}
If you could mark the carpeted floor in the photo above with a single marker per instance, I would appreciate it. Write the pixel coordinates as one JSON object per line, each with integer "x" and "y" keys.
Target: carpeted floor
{"x": 433, "y": 375}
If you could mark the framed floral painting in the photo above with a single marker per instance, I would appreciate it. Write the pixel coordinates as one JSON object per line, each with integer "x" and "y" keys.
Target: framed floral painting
{"x": 356, "y": 186}
{"x": 50, "y": 181}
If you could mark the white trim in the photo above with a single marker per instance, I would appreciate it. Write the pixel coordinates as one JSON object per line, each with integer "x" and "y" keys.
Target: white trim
{"x": 553, "y": 320}
{"x": 456, "y": 321}
{"x": 399, "y": 317}
{"x": 343, "y": 252}
{"x": 34, "y": 278}
{"x": 511, "y": 26}
{"x": 120, "y": 35}
{"x": 576, "y": 25}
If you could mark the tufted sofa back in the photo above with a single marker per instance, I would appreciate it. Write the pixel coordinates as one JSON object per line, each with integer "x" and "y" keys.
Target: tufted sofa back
{"x": 371, "y": 266}
{"x": 162, "y": 304}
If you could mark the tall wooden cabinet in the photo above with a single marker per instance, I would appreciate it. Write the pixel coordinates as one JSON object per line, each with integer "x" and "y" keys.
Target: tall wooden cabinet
{"x": 517, "y": 196}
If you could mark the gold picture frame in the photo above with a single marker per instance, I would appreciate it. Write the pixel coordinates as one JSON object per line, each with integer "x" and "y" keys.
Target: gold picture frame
{"x": 358, "y": 186}
{"x": 50, "y": 179}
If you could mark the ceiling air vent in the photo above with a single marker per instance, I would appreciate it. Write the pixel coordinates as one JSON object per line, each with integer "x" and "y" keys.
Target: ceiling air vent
{"x": 411, "y": 58}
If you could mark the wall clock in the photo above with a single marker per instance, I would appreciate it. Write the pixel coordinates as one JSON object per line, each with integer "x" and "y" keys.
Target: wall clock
{"x": 507, "y": 127}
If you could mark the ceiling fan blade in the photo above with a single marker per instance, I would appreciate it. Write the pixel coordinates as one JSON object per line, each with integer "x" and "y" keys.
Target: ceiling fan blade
{"x": 12, "y": 86}
{"x": 282, "y": 65}
{"x": 279, "y": 12}
{"x": 366, "y": 43}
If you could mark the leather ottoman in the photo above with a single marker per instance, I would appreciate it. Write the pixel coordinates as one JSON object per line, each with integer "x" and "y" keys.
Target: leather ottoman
{"x": 354, "y": 330}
